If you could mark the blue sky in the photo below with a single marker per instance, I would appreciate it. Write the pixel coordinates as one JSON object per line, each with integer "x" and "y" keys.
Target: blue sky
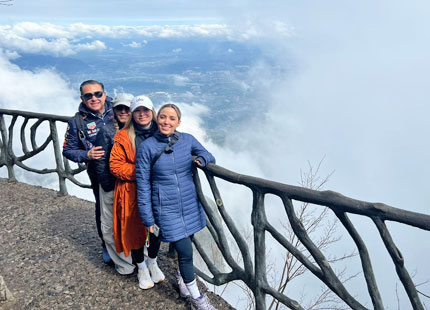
{"x": 355, "y": 88}
{"x": 109, "y": 12}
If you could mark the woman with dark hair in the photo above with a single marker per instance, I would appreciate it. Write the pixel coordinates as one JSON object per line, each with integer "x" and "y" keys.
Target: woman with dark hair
{"x": 121, "y": 108}
{"x": 129, "y": 232}
{"x": 167, "y": 195}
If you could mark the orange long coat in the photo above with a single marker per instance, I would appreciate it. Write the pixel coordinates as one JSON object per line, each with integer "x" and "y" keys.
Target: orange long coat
{"x": 128, "y": 229}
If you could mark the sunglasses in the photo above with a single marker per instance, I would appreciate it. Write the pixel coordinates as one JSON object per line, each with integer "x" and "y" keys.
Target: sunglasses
{"x": 122, "y": 108}
{"x": 88, "y": 96}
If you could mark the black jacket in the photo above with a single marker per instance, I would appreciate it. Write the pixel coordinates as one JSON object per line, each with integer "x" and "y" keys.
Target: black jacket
{"x": 105, "y": 139}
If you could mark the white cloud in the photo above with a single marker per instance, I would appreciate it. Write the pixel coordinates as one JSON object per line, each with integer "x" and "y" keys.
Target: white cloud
{"x": 43, "y": 39}
{"x": 95, "y": 45}
{"x": 41, "y": 91}
{"x": 39, "y": 30}
{"x": 191, "y": 120}
{"x": 134, "y": 44}
{"x": 177, "y": 50}
{"x": 78, "y": 30}
{"x": 353, "y": 88}
{"x": 10, "y": 54}
{"x": 180, "y": 80}
{"x": 59, "y": 40}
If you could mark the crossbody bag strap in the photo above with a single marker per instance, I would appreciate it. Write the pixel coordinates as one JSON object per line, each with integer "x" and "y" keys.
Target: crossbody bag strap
{"x": 80, "y": 125}
{"x": 81, "y": 134}
{"x": 166, "y": 149}
{"x": 156, "y": 157}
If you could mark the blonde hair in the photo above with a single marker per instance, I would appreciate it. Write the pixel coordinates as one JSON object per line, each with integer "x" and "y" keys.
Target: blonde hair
{"x": 174, "y": 107}
{"x": 130, "y": 128}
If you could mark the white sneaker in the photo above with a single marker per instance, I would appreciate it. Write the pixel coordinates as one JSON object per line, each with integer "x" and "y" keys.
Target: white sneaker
{"x": 145, "y": 281}
{"x": 202, "y": 303}
{"x": 183, "y": 289}
{"x": 157, "y": 275}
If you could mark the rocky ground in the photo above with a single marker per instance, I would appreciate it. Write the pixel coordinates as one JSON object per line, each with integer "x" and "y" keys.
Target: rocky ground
{"x": 50, "y": 258}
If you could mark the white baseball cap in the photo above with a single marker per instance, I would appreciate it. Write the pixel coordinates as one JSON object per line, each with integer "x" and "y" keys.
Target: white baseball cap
{"x": 141, "y": 101}
{"x": 122, "y": 99}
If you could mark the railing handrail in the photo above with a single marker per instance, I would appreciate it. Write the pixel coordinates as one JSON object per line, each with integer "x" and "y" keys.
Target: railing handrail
{"x": 326, "y": 198}
{"x": 35, "y": 115}
{"x": 253, "y": 270}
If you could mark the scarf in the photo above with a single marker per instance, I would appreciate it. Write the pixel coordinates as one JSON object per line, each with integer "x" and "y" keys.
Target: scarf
{"x": 143, "y": 133}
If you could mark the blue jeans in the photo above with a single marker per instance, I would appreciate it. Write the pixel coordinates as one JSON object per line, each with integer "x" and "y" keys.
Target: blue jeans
{"x": 184, "y": 249}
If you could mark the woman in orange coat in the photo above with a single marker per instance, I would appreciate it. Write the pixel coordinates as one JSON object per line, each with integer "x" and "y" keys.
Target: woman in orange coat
{"x": 129, "y": 232}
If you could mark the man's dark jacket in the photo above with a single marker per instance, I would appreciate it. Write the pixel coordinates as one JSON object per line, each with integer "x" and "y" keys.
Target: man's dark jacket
{"x": 105, "y": 140}
{"x": 75, "y": 148}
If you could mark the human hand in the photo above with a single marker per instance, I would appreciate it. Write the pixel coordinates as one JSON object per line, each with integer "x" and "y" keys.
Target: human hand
{"x": 198, "y": 163}
{"x": 96, "y": 153}
{"x": 151, "y": 229}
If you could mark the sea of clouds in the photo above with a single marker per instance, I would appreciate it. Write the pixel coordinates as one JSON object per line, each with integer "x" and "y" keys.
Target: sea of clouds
{"x": 348, "y": 89}
{"x": 61, "y": 40}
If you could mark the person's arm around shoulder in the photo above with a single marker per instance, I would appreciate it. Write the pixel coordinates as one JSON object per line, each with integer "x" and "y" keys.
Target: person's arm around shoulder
{"x": 203, "y": 156}
{"x": 143, "y": 179}
{"x": 119, "y": 166}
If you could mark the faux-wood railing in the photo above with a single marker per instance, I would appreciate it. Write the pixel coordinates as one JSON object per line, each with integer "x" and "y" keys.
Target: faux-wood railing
{"x": 253, "y": 270}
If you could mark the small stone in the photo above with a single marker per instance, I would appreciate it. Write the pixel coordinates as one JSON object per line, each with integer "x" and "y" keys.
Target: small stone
{"x": 5, "y": 294}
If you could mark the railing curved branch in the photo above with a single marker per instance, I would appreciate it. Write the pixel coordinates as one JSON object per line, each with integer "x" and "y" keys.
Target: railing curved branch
{"x": 340, "y": 205}
{"x": 9, "y": 159}
{"x": 251, "y": 267}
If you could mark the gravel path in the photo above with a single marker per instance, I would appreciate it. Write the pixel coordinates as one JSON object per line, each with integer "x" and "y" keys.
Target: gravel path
{"x": 50, "y": 258}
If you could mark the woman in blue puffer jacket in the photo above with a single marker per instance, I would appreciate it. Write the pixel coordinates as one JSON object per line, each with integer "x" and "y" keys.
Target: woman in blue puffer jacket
{"x": 167, "y": 197}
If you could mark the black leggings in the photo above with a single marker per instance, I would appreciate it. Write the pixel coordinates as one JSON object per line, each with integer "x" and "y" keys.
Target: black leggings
{"x": 184, "y": 247}
{"x": 154, "y": 247}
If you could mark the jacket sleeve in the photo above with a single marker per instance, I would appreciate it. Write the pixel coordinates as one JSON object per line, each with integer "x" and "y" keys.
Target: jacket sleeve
{"x": 106, "y": 180}
{"x": 143, "y": 175}
{"x": 202, "y": 154}
{"x": 72, "y": 147}
{"x": 119, "y": 166}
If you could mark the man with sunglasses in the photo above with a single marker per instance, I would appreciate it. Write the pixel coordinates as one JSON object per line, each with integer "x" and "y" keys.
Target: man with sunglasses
{"x": 95, "y": 111}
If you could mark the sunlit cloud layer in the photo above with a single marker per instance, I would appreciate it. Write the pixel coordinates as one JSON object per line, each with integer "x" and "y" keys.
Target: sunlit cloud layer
{"x": 47, "y": 38}
{"x": 43, "y": 39}
{"x": 33, "y": 91}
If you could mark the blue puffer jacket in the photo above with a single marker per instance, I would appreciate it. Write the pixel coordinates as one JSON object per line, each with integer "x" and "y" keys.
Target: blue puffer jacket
{"x": 172, "y": 203}
{"x": 75, "y": 148}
